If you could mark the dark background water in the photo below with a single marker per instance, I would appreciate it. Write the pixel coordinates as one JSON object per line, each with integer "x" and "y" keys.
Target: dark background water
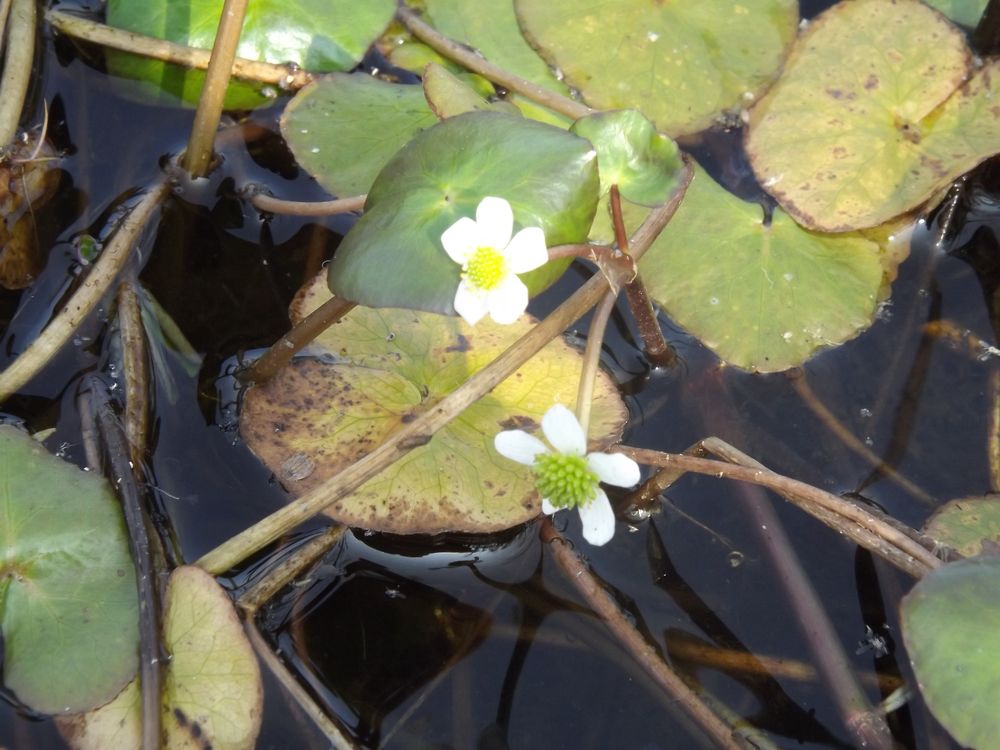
{"x": 439, "y": 642}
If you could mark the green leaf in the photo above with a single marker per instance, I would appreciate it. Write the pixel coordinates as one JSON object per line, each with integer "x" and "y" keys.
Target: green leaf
{"x": 381, "y": 368}
{"x": 964, "y": 12}
{"x": 68, "y": 612}
{"x": 212, "y": 693}
{"x": 763, "y": 297}
{"x": 317, "y": 35}
{"x": 886, "y": 131}
{"x": 682, "y": 63}
{"x": 967, "y": 524}
{"x": 448, "y": 95}
{"x": 631, "y": 154}
{"x": 951, "y": 627}
{"x": 344, "y": 128}
{"x": 393, "y": 256}
{"x": 490, "y": 26}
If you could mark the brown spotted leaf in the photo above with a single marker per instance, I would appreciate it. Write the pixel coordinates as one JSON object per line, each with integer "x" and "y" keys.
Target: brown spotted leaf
{"x": 871, "y": 118}
{"x": 384, "y": 367}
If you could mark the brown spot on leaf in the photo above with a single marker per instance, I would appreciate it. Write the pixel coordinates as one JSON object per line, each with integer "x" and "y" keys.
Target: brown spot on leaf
{"x": 462, "y": 345}
{"x": 519, "y": 422}
{"x": 871, "y": 82}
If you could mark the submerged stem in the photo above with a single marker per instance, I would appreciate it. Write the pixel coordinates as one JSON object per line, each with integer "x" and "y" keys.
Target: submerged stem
{"x": 17, "y": 67}
{"x": 592, "y": 359}
{"x": 272, "y": 205}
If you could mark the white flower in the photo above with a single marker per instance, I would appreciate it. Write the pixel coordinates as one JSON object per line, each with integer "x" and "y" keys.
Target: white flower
{"x": 491, "y": 260}
{"x": 569, "y": 476}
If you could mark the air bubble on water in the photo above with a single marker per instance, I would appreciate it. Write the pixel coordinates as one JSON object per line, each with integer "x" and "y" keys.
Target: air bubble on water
{"x": 869, "y": 442}
{"x": 735, "y": 559}
{"x": 304, "y": 131}
{"x": 787, "y": 335}
{"x": 652, "y": 36}
{"x": 390, "y": 336}
{"x": 865, "y": 412}
{"x": 314, "y": 150}
{"x": 788, "y": 276}
{"x": 713, "y": 300}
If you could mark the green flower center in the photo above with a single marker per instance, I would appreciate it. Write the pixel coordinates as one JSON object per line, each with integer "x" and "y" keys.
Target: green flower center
{"x": 485, "y": 269}
{"x": 564, "y": 479}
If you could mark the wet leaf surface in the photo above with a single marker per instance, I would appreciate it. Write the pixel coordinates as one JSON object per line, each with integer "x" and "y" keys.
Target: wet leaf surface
{"x": 964, "y": 12}
{"x": 951, "y": 626}
{"x": 212, "y": 694}
{"x": 68, "y": 611}
{"x": 383, "y": 368}
{"x": 329, "y": 127}
{"x": 968, "y": 524}
{"x": 887, "y": 130}
{"x": 448, "y": 95}
{"x": 393, "y": 256}
{"x": 763, "y": 297}
{"x": 682, "y": 64}
{"x": 317, "y": 35}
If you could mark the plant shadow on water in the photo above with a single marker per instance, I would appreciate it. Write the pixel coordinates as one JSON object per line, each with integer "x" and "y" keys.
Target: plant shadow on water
{"x": 451, "y": 642}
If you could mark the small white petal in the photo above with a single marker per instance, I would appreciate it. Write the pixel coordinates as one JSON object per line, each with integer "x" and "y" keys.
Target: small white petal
{"x": 614, "y": 468}
{"x": 518, "y": 445}
{"x": 470, "y": 303}
{"x": 527, "y": 251}
{"x": 547, "y": 507}
{"x": 496, "y": 222}
{"x": 508, "y": 300}
{"x": 563, "y": 431}
{"x": 461, "y": 239}
{"x": 598, "y": 520}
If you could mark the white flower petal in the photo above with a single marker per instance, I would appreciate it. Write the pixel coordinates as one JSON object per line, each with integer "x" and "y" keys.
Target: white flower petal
{"x": 614, "y": 468}
{"x": 461, "y": 239}
{"x": 547, "y": 507}
{"x": 518, "y": 445}
{"x": 527, "y": 250}
{"x": 563, "y": 431}
{"x": 508, "y": 300}
{"x": 598, "y": 520}
{"x": 496, "y": 222}
{"x": 470, "y": 303}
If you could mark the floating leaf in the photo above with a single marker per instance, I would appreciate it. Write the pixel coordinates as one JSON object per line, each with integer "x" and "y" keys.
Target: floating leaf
{"x": 951, "y": 627}
{"x": 964, "y": 12}
{"x": 212, "y": 693}
{"x": 763, "y": 297}
{"x": 490, "y": 26}
{"x": 644, "y": 164}
{"x": 966, "y": 524}
{"x": 681, "y": 63}
{"x": 68, "y": 612}
{"x": 393, "y": 256}
{"x": 344, "y": 128}
{"x": 383, "y": 368}
{"x": 886, "y": 131}
{"x": 448, "y": 95}
{"x": 317, "y": 35}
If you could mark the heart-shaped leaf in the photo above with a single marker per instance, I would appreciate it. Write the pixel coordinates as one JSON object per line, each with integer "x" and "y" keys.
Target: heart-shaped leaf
{"x": 968, "y": 524}
{"x": 644, "y": 164}
{"x": 344, "y": 128}
{"x": 681, "y": 63}
{"x": 317, "y": 35}
{"x": 212, "y": 694}
{"x": 877, "y": 86}
{"x": 393, "y": 256}
{"x": 380, "y": 369}
{"x": 68, "y": 612}
{"x": 951, "y": 627}
{"x": 762, "y": 296}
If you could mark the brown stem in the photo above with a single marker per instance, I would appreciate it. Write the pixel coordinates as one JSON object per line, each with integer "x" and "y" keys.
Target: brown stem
{"x": 572, "y": 109}
{"x": 922, "y": 560}
{"x": 601, "y": 602}
{"x": 17, "y": 67}
{"x": 198, "y": 156}
{"x": 136, "y": 371}
{"x": 302, "y": 334}
{"x": 421, "y": 430}
{"x": 272, "y": 205}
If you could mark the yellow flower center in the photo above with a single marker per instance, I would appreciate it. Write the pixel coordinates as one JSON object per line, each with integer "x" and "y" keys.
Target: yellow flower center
{"x": 485, "y": 269}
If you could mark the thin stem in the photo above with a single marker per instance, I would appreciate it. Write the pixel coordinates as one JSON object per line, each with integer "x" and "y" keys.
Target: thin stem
{"x": 601, "y": 602}
{"x": 4, "y": 14}
{"x": 993, "y": 438}
{"x": 123, "y": 478}
{"x": 786, "y": 486}
{"x": 592, "y": 359}
{"x": 272, "y": 205}
{"x": 421, "y": 430}
{"x": 198, "y": 156}
{"x": 86, "y": 298}
{"x": 461, "y": 54}
{"x": 302, "y": 334}
{"x": 17, "y": 67}
{"x": 136, "y": 370}
{"x": 288, "y": 78}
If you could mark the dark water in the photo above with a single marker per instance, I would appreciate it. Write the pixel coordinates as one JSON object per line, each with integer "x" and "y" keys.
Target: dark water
{"x": 435, "y": 642}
